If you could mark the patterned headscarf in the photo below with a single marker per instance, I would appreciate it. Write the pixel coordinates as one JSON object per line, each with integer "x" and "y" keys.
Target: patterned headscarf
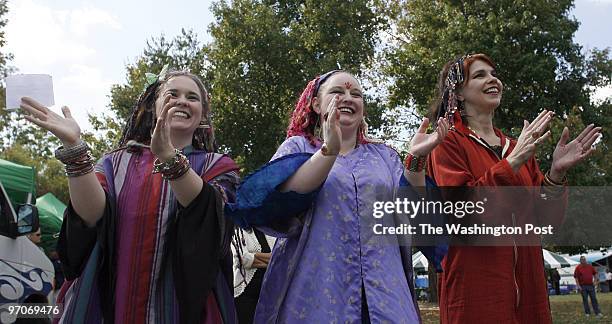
{"x": 449, "y": 107}
{"x": 304, "y": 119}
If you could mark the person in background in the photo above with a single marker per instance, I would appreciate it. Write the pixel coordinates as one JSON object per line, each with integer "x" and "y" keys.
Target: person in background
{"x": 35, "y": 237}
{"x": 584, "y": 275}
{"x": 555, "y": 277}
{"x": 252, "y": 251}
{"x": 58, "y": 280}
{"x": 609, "y": 279}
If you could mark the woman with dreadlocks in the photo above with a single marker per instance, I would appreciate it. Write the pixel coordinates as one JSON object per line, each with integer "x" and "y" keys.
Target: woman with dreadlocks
{"x": 144, "y": 237}
{"x": 316, "y": 195}
{"x": 497, "y": 284}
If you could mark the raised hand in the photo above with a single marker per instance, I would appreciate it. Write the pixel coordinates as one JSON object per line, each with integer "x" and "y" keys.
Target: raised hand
{"x": 332, "y": 134}
{"x": 66, "y": 129}
{"x": 531, "y": 136}
{"x": 422, "y": 143}
{"x": 161, "y": 143}
{"x": 567, "y": 155}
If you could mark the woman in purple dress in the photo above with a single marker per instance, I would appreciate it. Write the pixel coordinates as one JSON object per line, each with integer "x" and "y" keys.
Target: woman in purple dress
{"x": 316, "y": 194}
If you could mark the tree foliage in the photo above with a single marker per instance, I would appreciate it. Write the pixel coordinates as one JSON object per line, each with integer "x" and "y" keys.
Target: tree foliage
{"x": 184, "y": 52}
{"x": 537, "y": 60}
{"x": 530, "y": 41}
{"x": 5, "y": 68}
{"x": 264, "y": 53}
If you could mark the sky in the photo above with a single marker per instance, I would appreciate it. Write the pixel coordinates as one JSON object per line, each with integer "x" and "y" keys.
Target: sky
{"x": 85, "y": 45}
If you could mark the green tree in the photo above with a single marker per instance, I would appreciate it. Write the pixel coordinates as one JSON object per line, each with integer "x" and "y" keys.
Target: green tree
{"x": 5, "y": 69}
{"x": 531, "y": 42}
{"x": 184, "y": 52}
{"x": 264, "y": 53}
{"x": 537, "y": 60}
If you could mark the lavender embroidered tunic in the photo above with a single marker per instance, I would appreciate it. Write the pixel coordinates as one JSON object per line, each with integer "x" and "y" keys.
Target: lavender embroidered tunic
{"x": 329, "y": 253}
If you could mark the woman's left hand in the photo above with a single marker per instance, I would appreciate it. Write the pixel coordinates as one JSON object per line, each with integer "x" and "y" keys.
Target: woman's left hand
{"x": 567, "y": 155}
{"x": 161, "y": 144}
{"x": 422, "y": 143}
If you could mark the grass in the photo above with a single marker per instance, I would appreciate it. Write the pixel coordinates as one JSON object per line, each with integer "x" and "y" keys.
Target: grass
{"x": 566, "y": 309}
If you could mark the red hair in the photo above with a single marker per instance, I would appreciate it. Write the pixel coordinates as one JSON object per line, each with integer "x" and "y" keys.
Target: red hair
{"x": 473, "y": 58}
{"x": 304, "y": 118}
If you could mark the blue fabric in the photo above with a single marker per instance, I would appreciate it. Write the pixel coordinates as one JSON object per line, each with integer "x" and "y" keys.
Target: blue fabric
{"x": 435, "y": 254}
{"x": 589, "y": 291}
{"x": 258, "y": 202}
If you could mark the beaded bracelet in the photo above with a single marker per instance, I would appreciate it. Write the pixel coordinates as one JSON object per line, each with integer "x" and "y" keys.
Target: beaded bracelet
{"x": 76, "y": 159}
{"x": 415, "y": 163}
{"x": 325, "y": 150}
{"x": 551, "y": 189}
{"x": 173, "y": 169}
{"x": 549, "y": 182}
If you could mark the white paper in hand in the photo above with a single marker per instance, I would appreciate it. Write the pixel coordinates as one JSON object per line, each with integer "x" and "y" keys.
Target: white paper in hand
{"x": 36, "y": 86}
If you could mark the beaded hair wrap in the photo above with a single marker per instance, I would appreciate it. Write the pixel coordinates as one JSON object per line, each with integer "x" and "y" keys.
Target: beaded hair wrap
{"x": 304, "y": 117}
{"x": 454, "y": 79}
{"x": 304, "y": 120}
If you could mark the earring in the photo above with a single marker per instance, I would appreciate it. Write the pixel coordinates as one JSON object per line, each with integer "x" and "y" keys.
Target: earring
{"x": 203, "y": 124}
{"x": 318, "y": 129}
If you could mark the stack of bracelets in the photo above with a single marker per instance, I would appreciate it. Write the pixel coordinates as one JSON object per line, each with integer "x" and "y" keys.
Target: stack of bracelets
{"x": 76, "y": 159}
{"x": 552, "y": 189}
{"x": 549, "y": 182}
{"x": 173, "y": 169}
{"x": 415, "y": 163}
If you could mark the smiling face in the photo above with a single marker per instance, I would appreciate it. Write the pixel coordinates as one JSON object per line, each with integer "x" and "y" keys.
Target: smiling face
{"x": 184, "y": 94}
{"x": 482, "y": 88}
{"x": 350, "y": 100}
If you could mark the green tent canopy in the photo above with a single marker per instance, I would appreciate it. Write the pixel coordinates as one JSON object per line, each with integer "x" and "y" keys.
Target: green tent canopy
{"x": 51, "y": 214}
{"x": 18, "y": 180}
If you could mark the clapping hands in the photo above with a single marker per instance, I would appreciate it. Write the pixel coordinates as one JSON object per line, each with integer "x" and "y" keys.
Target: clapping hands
{"x": 422, "y": 143}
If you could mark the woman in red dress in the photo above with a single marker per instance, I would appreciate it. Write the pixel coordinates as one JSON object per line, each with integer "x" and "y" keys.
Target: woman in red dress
{"x": 495, "y": 284}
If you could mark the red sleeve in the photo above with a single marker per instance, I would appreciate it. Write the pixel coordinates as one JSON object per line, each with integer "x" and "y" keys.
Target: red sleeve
{"x": 102, "y": 179}
{"x": 448, "y": 166}
{"x": 551, "y": 211}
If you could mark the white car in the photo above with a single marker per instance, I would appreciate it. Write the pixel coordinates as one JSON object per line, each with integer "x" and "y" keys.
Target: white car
{"x": 26, "y": 273}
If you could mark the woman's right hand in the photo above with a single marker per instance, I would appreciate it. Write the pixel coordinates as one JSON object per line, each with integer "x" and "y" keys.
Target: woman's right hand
{"x": 332, "y": 134}
{"x": 64, "y": 128}
{"x": 531, "y": 136}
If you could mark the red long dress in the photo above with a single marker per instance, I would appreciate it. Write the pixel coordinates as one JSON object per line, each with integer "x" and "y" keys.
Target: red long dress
{"x": 497, "y": 284}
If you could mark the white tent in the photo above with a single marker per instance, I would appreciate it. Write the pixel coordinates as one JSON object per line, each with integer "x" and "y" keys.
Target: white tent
{"x": 419, "y": 262}
{"x": 556, "y": 261}
{"x": 594, "y": 256}
{"x": 551, "y": 260}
